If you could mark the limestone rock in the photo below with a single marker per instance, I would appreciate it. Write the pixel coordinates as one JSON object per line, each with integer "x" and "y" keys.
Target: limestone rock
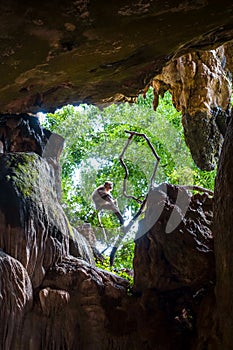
{"x": 53, "y": 300}
{"x": 80, "y": 247}
{"x": 99, "y": 52}
{"x": 16, "y": 298}
{"x": 175, "y": 244}
{"x": 201, "y": 88}
{"x": 34, "y": 228}
{"x": 89, "y": 311}
{"x": 174, "y": 269}
{"x": 23, "y": 133}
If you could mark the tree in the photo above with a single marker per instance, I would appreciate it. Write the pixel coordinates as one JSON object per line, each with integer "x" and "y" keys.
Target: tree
{"x": 94, "y": 140}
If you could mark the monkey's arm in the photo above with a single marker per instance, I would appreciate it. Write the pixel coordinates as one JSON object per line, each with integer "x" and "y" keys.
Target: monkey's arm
{"x": 106, "y": 196}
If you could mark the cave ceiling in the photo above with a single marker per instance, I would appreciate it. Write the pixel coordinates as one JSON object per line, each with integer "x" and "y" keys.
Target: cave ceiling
{"x": 59, "y": 52}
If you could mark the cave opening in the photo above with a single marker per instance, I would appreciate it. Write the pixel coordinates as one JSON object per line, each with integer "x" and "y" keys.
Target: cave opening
{"x": 94, "y": 139}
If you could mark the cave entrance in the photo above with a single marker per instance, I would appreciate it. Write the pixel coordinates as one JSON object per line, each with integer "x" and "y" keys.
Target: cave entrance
{"x": 94, "y": 140}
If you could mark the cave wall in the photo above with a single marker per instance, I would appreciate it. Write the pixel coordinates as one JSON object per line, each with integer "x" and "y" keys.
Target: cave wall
{"x": 223, "y": 242}
{"x": 98, "y": 52}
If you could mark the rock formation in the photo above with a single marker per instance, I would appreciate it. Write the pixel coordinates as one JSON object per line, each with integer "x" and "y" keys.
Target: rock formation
{"x": 184, "y": 239}
{"x": 51, "y": 295}
{"x": 30, "y": 213}
{"x": 174, "y": 268}
{"x": 16, "y": 299}
{"x": 223, "y": 233}
{"x": 201, "y": 88}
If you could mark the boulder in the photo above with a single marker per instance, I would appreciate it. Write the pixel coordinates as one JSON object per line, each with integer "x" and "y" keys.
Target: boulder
{"x": 174, "y": 243}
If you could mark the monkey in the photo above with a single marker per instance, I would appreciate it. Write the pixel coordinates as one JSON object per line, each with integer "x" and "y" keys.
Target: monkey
{"x": 103, "y": 199}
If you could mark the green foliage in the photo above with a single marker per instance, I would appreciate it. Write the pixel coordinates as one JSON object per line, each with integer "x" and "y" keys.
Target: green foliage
{"x": 146, "y": 100}
{"x": 125, "y": 258}
{"x": 94, "y": 140}
{"x": 123, "y": 264}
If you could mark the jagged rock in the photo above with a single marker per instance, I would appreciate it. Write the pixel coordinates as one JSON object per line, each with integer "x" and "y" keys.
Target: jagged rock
{"x": 34, "y": 228}
{"x": 23, "y": 133}
{"x": 174, "y": 269}
{"x": 87, "y": 231}
{"x": 16, "y": 298}
{"x": 228, "y": 48}
{"x": 174, "y": 245}
{"x": 53, "y": 300}
{"x": 201, "y": 88}
{"x": 88, "y": 316}
{"x": 206, "y": 323}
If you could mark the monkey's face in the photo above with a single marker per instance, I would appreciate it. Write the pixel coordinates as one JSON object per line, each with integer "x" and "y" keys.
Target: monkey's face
{"x": 109, "y": 187}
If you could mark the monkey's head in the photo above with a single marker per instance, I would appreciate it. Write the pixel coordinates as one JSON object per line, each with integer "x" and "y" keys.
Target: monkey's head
{"x": 108, "y": 185}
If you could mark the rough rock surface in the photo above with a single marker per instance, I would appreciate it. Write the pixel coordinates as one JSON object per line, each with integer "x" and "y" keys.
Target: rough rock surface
{"x": 55, "y": 53}
{"x": 177, "y": 251}
{"x": 30, "y": 212}
{"x": 94, "y": 308}
{"x": 101, "y": 53}
{"x": 16, "y": 299}
{"x": 174, "y": 268}
{"x": 224, "y": 239}
{"x": 31, "y": 215}
{"x": 23, "y": 133}
{"x": 201, "y": 88}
